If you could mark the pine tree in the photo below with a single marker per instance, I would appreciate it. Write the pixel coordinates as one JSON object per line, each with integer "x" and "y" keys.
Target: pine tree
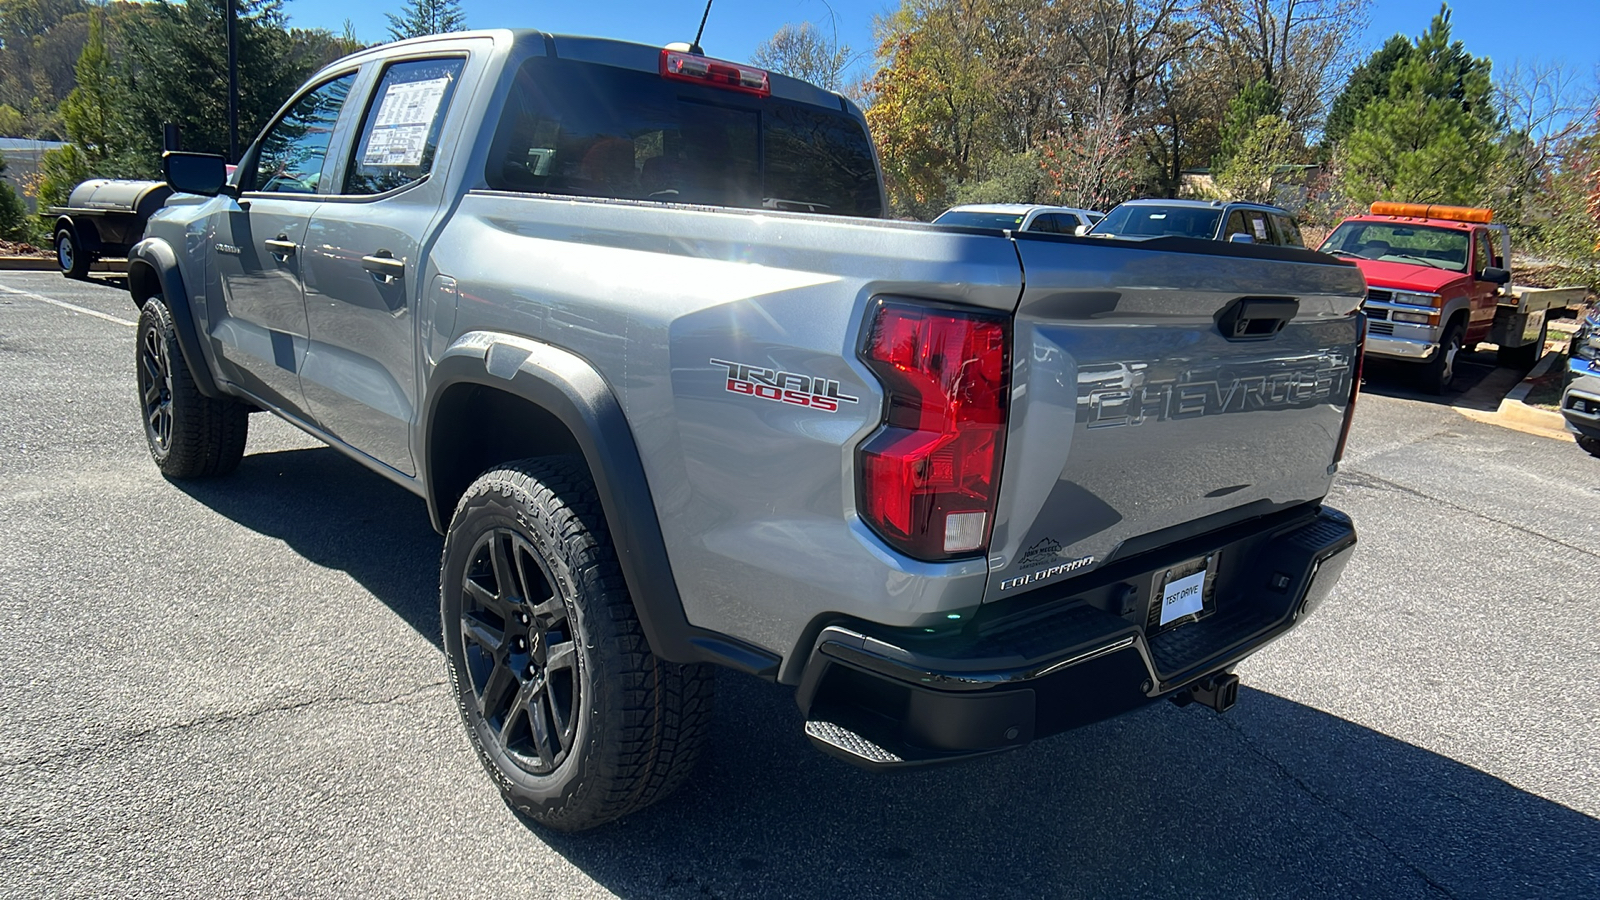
{"x": 1257, "y": 101}
{"x": 88, "y": 110}
{"x": 1431, "y": 139}
{"x": 423, "y": 17}
{"x": 1370, "y": 81}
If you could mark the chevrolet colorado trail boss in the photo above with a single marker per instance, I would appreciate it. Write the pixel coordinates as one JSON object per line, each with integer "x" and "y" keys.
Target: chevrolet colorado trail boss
{"x": 676, "y": 395}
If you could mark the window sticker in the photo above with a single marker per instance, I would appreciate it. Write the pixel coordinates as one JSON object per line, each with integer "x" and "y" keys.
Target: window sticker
{"x": 404, "y": 118}
{"x": 1259, "y": 225}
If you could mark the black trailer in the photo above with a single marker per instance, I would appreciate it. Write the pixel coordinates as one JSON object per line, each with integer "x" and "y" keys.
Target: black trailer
{"x": 103, "y": 217}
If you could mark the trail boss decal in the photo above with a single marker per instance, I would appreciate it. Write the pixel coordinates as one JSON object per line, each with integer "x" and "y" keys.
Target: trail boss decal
{"x": 784, "y": 387}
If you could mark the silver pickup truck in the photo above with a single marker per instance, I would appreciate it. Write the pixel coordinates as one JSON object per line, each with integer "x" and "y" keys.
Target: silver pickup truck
{"x": 630, "y": 319}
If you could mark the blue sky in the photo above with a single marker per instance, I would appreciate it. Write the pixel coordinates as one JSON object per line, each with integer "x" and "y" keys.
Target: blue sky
{"x": 1544, "y": 30}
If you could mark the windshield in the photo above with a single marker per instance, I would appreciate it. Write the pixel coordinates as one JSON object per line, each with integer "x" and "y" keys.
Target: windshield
{"x": 1442, "y": 248}
{"x": 1145, "y": 220}
{"x": 600, "y": 131}
{"x": 975, "y": 219}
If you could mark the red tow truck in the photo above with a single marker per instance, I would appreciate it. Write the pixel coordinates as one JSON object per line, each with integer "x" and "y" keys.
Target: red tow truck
{"x": 1438, "y": 282}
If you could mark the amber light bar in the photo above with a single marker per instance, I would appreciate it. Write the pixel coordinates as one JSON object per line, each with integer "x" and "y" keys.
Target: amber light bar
{"x": 1472, "y": 214}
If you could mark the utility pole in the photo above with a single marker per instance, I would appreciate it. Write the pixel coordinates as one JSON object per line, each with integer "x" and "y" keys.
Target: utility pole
{"x": 233, "y": 81}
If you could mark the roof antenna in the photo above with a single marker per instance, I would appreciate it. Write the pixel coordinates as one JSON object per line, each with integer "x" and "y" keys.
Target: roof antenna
{"x": 695, "y": 47}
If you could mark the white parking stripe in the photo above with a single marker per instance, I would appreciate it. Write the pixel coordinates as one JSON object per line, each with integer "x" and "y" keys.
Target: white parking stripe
{"x": 65, "y": 305}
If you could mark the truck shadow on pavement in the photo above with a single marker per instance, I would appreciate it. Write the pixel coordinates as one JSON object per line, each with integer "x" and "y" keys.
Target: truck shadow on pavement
{"x": 336, "y": 514}
{"x": 1274, "y": 799}
{"x": 1480, "y": 382}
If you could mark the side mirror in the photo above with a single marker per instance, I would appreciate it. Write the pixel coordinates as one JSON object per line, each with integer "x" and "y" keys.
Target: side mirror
{"x": 1239, "y": 237}
{"x": 1080, "y": 230}
{"x": 1498, "y": 276}
{"x": 205, "y": 174}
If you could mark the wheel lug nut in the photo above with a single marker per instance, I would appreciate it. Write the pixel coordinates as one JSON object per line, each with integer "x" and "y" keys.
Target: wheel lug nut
{"x": 522, "y": 618}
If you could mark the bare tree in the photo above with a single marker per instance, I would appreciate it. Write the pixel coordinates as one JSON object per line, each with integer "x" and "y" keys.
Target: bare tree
{"x": 1303, "y": 48}
{"x": 801, "y": 51}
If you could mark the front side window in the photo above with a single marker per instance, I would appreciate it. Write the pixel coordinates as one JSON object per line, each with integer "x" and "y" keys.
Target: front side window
{"x": 1236, "y": 225}
{"x": 593, "y": 130}
{"x": 294, "y": 151}
{"x": 400, "y": 134}
{"x": 1480, "y": 256}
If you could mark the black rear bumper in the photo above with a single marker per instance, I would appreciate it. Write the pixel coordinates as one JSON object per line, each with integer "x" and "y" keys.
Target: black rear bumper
{"x": 1059, "y": 659}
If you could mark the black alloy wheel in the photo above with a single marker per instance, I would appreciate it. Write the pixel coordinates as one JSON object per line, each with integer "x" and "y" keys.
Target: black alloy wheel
{"x": 155, "y": 389}
{"x": 521, "y": 652}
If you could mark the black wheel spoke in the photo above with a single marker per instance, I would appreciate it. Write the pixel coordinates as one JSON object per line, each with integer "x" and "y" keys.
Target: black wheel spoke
{"x": 549, "y": 612}
{"x": 538, "y": 718}
{"x": 499, "y": 556}
{"x": 481, "y": 633}
{"x": 561, "y": 656}
{"x": 501, "y": 683}
{"x": 486, "y": 598}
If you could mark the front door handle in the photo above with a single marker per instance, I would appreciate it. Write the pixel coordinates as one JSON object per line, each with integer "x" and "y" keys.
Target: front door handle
{"x": 281, "y": 246}
{"x": 385, "y": 265}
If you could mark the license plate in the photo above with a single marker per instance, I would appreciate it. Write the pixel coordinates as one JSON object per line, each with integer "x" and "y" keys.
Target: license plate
{"x": 1184, "y": 592}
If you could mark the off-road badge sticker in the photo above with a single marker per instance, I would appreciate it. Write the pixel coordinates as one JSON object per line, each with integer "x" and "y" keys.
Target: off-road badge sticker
{"x": 784, "y": 387}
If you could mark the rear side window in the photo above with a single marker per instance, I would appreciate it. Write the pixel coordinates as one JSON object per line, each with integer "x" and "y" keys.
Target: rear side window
{"x": 1288, "y": 232}
{"x": 400, "y": 133}
{"x": 601, "y": 131}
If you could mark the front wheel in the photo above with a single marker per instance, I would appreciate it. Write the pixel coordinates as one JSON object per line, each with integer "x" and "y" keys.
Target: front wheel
{"x": 1590, "y": 445}
{"x": 569, "y": 711}
{"x": 189, "y": 434}
{"x": 1439, "y": 372}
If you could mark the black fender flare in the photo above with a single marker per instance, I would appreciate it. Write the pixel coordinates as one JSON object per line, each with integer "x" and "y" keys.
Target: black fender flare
{"x": 567, "y": 387}
{"x": 153, "y": 265}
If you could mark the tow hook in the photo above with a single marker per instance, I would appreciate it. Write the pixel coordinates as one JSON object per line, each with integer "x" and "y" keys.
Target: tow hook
{"x": 1220, "y": 692}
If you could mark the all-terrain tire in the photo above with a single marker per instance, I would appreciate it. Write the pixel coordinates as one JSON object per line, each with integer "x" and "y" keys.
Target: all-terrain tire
{"x": 71, "y": 257}
{"x": 189, "y": 434}
{"x": 1439, "y": 372}
{"x": 598, "y": 726}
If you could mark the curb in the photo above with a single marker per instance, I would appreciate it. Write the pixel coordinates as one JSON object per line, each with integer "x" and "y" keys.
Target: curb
{"x": 48, "y": 264}
{"x": 1514, "y": 413}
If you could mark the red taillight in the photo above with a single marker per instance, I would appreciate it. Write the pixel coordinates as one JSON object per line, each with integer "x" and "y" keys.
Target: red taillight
{"x": 1355, "y": 387}
{"x": 715, "y": 72}
{"x": 931, "y": 475}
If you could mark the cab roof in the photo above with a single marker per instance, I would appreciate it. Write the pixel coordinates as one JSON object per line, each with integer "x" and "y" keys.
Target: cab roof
{"x": 1414, "y": 220}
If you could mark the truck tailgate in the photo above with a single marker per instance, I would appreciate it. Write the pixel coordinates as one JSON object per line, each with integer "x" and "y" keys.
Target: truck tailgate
{"x": 1135, "y": 421}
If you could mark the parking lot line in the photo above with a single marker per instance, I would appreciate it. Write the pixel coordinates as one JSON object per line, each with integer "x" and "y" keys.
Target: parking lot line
{"x": 65, "y": 305}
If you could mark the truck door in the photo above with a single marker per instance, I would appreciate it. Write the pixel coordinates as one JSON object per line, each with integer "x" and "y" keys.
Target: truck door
{"x": 260, "y": 333}
{"x": 1485, "y": 294}
{"x": 364, "y": 263}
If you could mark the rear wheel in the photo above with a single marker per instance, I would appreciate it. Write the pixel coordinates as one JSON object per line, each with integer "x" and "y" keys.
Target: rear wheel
{"x": 189, "y": 434}
{"x": 575, "y": 719}
{"x": 70, "y": 256}
{"x": 1439, "y": 372}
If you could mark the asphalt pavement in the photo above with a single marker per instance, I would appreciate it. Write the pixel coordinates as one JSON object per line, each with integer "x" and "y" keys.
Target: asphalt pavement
{"x": 235, "y": 688}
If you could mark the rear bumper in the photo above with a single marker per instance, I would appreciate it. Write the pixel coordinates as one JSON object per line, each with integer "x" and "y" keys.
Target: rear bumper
{"x": 887, "y": 698}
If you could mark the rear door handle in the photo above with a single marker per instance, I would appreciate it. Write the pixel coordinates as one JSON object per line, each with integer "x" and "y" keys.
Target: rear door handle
{"x": 384, "y": 264}
{"x": 281, "y": 246}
